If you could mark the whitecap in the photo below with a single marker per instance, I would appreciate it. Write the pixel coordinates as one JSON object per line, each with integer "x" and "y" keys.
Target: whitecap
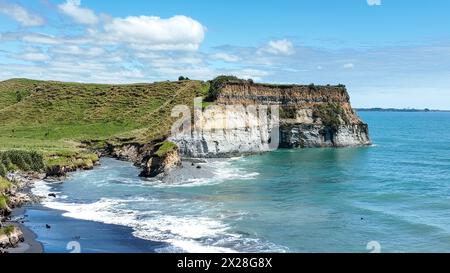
{"x": 212, "y": 173}
{"x": 184, "y": 233}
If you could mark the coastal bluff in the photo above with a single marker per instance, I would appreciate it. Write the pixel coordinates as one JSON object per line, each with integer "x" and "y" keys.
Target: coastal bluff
{"x": 309, "y": 116}
{"x": 73, "y": 124}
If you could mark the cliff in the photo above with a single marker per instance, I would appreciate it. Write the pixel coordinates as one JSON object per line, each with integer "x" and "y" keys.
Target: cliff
{"x": 249, "y": 118}
{"x": 130, "y": 121}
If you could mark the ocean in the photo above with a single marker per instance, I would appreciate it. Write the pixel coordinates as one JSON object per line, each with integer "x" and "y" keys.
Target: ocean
{"x": 394, "y": 196}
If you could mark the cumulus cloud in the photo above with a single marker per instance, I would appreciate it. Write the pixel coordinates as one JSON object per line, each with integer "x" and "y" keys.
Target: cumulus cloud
{"x": 21, "y": 15}
{"x": 278, "y": 47}
{"x": 155, "y": 33}
{"x": 374, "y": 2}
{"x": 73, "y": 9}
{"x": 225, "y": 57}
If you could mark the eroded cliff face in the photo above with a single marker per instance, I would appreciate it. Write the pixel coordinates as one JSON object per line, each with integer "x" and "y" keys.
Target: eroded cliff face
{"x": 244, "y": 120}
{"x": 159, "y": 166}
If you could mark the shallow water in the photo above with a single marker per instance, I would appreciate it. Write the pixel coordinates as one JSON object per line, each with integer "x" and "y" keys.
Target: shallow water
{"x": 396, "y": 192}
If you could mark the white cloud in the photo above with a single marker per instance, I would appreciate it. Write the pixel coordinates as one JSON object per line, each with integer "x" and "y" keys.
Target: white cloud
{"x": 21, "y": 15}
{"x": 34, "y": 57}
{"x": 348, "y": 66}
{"x": 73, "y": 9}
{"x": 225, "y": 57}
{"x": 248, "y": 73}
{"x": 154, "y": 33}
{"x": 374, "y": 2}
{"x": 278, "y": 47}
{"x": 36, "y": 38}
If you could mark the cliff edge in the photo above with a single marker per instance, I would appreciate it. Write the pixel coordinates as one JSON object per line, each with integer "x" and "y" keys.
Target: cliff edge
{"x": 248, "y": 118}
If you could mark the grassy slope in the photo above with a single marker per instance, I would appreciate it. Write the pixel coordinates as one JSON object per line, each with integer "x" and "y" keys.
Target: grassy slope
{"x": 55, "y": 117}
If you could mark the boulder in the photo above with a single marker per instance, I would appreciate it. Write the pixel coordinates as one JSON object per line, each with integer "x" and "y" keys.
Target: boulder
{"x": 11, "y": 238}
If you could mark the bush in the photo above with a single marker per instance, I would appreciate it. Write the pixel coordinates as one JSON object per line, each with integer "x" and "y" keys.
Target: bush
{"x": 7, "y": 230}
{"x": 22, "y": 160}
{"x": 3, "y": 201}
{"x": 4, "y": 185}
{"x": 217, "y": 84}
{"x": 3, "y": 170}
{"x": 182, "y": 78}
{"x": 288, "y": 112}
{"x": 330, "y": 114}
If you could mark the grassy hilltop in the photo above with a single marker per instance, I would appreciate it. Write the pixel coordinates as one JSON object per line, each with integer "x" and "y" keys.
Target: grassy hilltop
{"x": 55, "y": 118}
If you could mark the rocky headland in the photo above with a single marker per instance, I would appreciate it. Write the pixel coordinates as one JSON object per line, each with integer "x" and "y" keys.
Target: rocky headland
{"x": 250, "y": 118}
{"x": 309, "y": 116}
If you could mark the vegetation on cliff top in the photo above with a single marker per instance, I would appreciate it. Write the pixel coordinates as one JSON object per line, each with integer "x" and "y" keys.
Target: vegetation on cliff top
{"x": 166, "y": 147}
{"x": 218, "y": 83}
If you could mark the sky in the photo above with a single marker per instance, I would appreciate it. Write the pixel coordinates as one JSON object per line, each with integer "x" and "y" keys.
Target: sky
{"x": 389, "y": 53}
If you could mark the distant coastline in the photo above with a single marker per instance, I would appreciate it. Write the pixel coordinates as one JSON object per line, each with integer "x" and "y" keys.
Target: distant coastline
{"x": 398, "y": 110}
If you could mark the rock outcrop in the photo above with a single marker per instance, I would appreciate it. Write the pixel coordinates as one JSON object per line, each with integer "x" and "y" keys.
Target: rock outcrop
{"x": 10, "y": 237}
{"x": 244, "y": 120}
{"x": 164, "y": 158}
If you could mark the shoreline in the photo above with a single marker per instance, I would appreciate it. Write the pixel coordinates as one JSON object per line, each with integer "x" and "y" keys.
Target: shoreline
{"x": 30, "y": 244}
{"x": 32, "y": 218}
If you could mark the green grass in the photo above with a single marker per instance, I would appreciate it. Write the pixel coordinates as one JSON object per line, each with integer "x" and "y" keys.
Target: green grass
{"x": 71, "y": 159}
{"x": 4, "y": 185}
{"x": 7, "y": 230}
{"x": 3, "y": 201}
{"x": 166, "y": 147}
{"x": 54, "y": 118}
{"x": 205, "y": 104}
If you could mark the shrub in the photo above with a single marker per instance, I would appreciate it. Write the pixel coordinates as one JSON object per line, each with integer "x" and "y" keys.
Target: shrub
{"x": 288, "y": 112}
{"x": 4, "y": 185}
{"x": 22, "y": 160}
{"x": 182, "y": 78}
{"x": 312, "y": 87}
{"x": 330, "y": 114}
{"x": 3, "y": 202}
{"x": 217, "y": 84}
{"x": 3, "y": 170}
{"x": 7, "y": 230}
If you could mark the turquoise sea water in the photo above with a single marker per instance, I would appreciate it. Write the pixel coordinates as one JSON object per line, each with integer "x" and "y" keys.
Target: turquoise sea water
{"x": 396, "y": 193}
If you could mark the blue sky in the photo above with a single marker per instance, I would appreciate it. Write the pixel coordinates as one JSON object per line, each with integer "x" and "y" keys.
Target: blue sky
{"x": 389, "y": 53}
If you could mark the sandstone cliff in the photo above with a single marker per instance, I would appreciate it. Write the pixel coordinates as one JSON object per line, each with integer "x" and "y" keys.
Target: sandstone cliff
{"x": 266, "y": 117}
